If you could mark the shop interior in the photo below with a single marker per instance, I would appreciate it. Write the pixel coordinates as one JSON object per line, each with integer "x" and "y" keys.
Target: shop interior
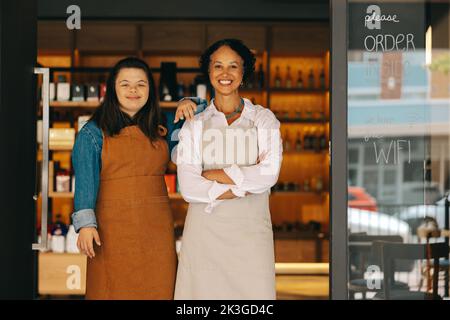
{"x": 291, "y": 79}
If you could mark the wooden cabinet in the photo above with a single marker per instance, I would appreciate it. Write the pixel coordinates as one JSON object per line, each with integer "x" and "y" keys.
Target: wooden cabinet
{"x": 304, "y": 38}
{"x": 62, "y": 274}
{"x": 286, "y": 51}
{"x": 253, "y": 36}
{"x": 173, "y": 37}
{"x": 54, "y": 36}
{"x": 107, "y": 37}
{"x": 301, "y": 250}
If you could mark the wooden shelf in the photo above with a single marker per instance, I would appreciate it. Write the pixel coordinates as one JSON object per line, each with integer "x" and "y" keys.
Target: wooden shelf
{"x": 321, "y": 121}
{"x": 61, "y": 148}
{"x": 298, "y": 90}
{"x": 74, "y": 104}
{"x": 52, "y": 273}
{"x": 306, "y": 152}
{"x": 298, "y": 193}
{"x": 95, "y": 104}
{"x": 53, "y": 194}
{"x": 168, "y": 104}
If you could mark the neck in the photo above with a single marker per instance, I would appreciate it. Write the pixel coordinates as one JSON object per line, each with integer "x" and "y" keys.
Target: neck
{"x": 130, "y": 113}
{"x": 227, "y": 104}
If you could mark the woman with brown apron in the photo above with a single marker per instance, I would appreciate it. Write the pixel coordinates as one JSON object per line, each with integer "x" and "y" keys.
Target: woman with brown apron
{"x": 121, "y": 202}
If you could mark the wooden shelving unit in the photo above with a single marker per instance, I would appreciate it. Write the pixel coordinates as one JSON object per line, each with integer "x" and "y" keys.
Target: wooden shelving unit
{"x": 95, "y": 104}
{"x": 183, "y": 42}
{"x": 298, "y": 90}
{"x": 74, "y": 104}
{"x": 319, "y": 121}
{"x": 65, "y": 195}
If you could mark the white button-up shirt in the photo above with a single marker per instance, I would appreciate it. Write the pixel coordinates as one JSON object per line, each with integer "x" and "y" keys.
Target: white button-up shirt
{"x": 257, "y": 178}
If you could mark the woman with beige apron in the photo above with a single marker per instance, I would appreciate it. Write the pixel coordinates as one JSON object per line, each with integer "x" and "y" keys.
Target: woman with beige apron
{"x": 227, "y": 247}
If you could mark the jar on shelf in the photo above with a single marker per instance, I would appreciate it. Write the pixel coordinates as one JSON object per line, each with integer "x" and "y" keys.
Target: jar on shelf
{"x": 63, "y": 181}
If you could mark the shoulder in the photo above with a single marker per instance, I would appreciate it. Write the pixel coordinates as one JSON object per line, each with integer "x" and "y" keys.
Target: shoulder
{"x": 197, "y": 122}
{"x": 91, "y": 128}
{"x": 263, "y": 117}
{"x": 91, "y": 133}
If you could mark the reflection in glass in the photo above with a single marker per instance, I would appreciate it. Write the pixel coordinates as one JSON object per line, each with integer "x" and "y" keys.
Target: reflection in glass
{"x": 399, "y": 149}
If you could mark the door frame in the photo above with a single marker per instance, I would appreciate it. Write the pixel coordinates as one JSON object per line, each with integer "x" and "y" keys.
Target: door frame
{"x": 339, "y": 135}
{"x": 18, "y": 37}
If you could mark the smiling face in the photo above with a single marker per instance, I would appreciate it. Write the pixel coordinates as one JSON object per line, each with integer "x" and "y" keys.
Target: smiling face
{"x": 226, "y": 70}
{"x": 132, "y": 89}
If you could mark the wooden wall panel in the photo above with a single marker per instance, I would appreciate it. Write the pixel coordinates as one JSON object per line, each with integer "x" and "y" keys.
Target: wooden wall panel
{"x": 173, "y": 37}
{"x": 100, "y": 37}
{"x": 253, "y": 36}
{"x": 305, "y": 38}
{"x": 54, "y": 36}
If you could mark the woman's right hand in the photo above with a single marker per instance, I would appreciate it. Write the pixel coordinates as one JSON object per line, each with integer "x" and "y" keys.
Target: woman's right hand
{"x": 185, "y": 109}
{"x": 86, "y": 239}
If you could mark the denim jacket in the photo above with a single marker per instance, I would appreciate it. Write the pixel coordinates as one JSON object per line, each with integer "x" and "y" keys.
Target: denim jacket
{"x": 86, "y": 161}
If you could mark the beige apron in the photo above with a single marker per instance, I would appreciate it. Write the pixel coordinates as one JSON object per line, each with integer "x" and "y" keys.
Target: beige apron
{"x": 229, "y": 253}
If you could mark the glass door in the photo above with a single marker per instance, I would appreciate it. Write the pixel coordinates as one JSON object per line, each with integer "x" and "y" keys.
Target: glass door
{"x": 398, "y": 141}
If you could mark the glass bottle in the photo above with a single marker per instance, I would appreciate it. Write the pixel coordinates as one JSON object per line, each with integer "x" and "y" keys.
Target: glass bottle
{"x": 300, "y": 84}
{"x": 260, "y": 77}
{"x": 298, "y": 142}
{"x": 306, "y": 139}
{"x": 286, "y": 142}
{"x": 322, "y": 79}
{"x": 277, "y": 77}
{"x": 288, "y": 78}
{"x": 311, "y": 79}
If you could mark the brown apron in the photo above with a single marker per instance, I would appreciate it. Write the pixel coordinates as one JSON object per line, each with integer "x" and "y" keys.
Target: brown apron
{"x": 137, "y": 257}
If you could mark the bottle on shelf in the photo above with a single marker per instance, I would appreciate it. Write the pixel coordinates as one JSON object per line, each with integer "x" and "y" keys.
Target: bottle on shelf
{"x": 260, "y": 77}
{"x": 323, "y": 139}
{"x": 306, "y": 185}
{"x": 277, "y": 77}
{"x": 59, "y": 231}
{"x": 311, "y": 79}
{"x": 318, "y": 185}
{"x": 300, "y": 84}
{"x": 308, "y": 114}
{"x": 288, "y": 78}
{"x": 62, "y": 89}
{"x": 77, "y": 92}
{"x": 285, "y": 113}
{"x": 298, "y": 142}
{"x": 321, "y": 114}
{"x": 165, "y": 94}
{"x": 92, "y": 92}
{"x": 201, "y": 88}
{"x": 298, "y": 112}
{"x": 102, "y": 89}
{"x": 315, "y": 140}
{"x": 62, "y": 181}
{"x": 286, "y": 142}
{"x": 306, "y": 139}
{"x": 181, "y": 89}
{"x": 322, "y": 79}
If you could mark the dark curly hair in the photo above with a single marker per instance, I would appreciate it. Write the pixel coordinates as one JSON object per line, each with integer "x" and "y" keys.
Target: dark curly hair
{"x": 236, "y": 45}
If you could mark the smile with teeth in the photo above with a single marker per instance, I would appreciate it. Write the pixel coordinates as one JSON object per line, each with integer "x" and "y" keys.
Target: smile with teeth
{"x": 225, "y": 82}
